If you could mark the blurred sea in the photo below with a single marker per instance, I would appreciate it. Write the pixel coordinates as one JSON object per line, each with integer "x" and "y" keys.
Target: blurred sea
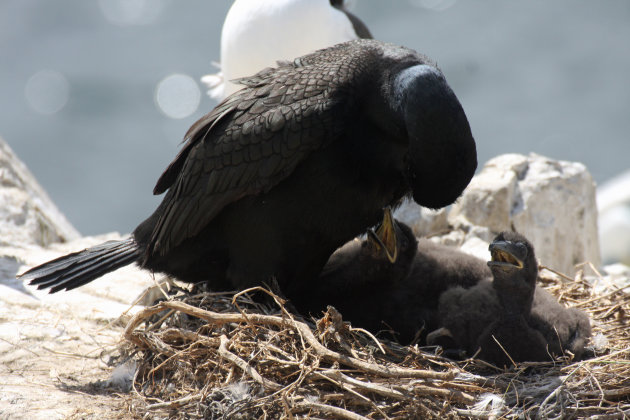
{"x": 87, "y": 103}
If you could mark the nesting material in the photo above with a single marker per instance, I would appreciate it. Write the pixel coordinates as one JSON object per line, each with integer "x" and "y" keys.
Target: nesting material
{"x": 226, "y": 356}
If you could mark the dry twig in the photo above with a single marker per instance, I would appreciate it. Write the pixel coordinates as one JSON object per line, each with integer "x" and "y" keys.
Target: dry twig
{"x": 194, "y": 348}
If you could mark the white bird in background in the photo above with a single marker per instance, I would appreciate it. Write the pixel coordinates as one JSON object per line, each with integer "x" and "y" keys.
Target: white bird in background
{"x": 258, "y": 33}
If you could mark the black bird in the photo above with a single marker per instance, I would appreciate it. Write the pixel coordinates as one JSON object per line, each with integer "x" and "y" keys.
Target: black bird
{"x": 374, "y": 292}
{"x": 497, "y": 317}
{"x": 564, "y": 329}
{"x": 286, "y": 170}
{"x": 362, "y": 272}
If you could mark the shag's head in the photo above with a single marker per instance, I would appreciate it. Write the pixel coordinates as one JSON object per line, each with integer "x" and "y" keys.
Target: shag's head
{"x": 442, "y": 151}
{"x": 514, "y": 267}
{"x": 512, "y": 251}
{"x": 391, "y": 240}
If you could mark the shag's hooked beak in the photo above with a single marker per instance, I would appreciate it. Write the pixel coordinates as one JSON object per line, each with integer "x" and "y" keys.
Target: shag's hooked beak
{"x": 385, "y": 235}
{"x": 507, "y": 254}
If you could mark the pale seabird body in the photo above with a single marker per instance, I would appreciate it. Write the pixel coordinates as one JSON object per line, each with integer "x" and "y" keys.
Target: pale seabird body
{"x": 258, "y": 33}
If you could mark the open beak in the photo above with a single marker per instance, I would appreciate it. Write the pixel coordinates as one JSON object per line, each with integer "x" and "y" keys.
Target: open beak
{"x": 385, "y": 236}
{"x": 503, "y": 254}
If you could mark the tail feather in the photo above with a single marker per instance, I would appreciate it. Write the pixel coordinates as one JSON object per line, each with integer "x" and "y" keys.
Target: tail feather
{"x": 80, "y": 274}
{"x": 79, "y": 268}
{"x": 53, "y": 268}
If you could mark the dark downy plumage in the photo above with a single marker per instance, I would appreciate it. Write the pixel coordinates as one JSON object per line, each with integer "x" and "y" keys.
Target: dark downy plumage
{"x": 564, "y": 329}
{"x": 357, "y": 274}
{"x": 286, "y": 170}
{"x": 372, "y": 292}
{"x": 506, "y": 318}
{"x": 382, "y": 257}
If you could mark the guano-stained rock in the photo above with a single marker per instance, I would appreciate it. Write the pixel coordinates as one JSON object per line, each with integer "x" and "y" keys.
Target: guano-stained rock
{"x": 27, "y": 215}
{"x": 551, "y": 202}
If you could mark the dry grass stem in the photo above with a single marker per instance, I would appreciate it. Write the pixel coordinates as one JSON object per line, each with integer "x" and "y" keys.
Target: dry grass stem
{"x": 222, "y": 355}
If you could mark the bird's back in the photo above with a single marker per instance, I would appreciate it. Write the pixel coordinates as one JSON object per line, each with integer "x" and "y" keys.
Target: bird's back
{"x": 294, "y": 157}
{"x": 563, "y": 328}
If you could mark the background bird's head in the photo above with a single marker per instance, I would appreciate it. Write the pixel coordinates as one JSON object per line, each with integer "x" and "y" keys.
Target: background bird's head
{"x": 514, "y": 267}
{"x": 442, "y": 156}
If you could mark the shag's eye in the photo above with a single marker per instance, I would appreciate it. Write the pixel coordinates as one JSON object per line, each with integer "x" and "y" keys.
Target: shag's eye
{"x": 522, "y": 249}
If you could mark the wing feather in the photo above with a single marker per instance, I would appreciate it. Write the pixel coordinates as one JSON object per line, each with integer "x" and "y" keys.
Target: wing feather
{"x": 253, "y": 140}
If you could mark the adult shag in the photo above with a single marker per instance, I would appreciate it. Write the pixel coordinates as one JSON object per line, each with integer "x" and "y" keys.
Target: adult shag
{"x": 286, "y": 170}
{"x": 257, "y": 33}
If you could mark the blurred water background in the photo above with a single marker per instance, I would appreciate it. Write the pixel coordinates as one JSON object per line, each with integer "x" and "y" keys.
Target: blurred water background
{"x": 95, "y": 95}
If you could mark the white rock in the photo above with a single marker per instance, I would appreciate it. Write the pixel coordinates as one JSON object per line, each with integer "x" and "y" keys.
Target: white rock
{"x": 52, "y": 339}
{"x": 33, "y": 231}
{"x": 613, "y": 203}
{"x": 614, "y": 234}
{"x": 617, "y": 270}
{"x": 423, "y": 221}
{"x": 551, "y": 202}
{"x": 614, "y": 192}
{"x": 489, "y": 198}
{"x": 27, "y": 215}
{"x": 613, "y": 277}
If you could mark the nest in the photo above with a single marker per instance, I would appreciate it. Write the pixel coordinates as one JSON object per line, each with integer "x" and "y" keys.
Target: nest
{"x": 220, "y": 355}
